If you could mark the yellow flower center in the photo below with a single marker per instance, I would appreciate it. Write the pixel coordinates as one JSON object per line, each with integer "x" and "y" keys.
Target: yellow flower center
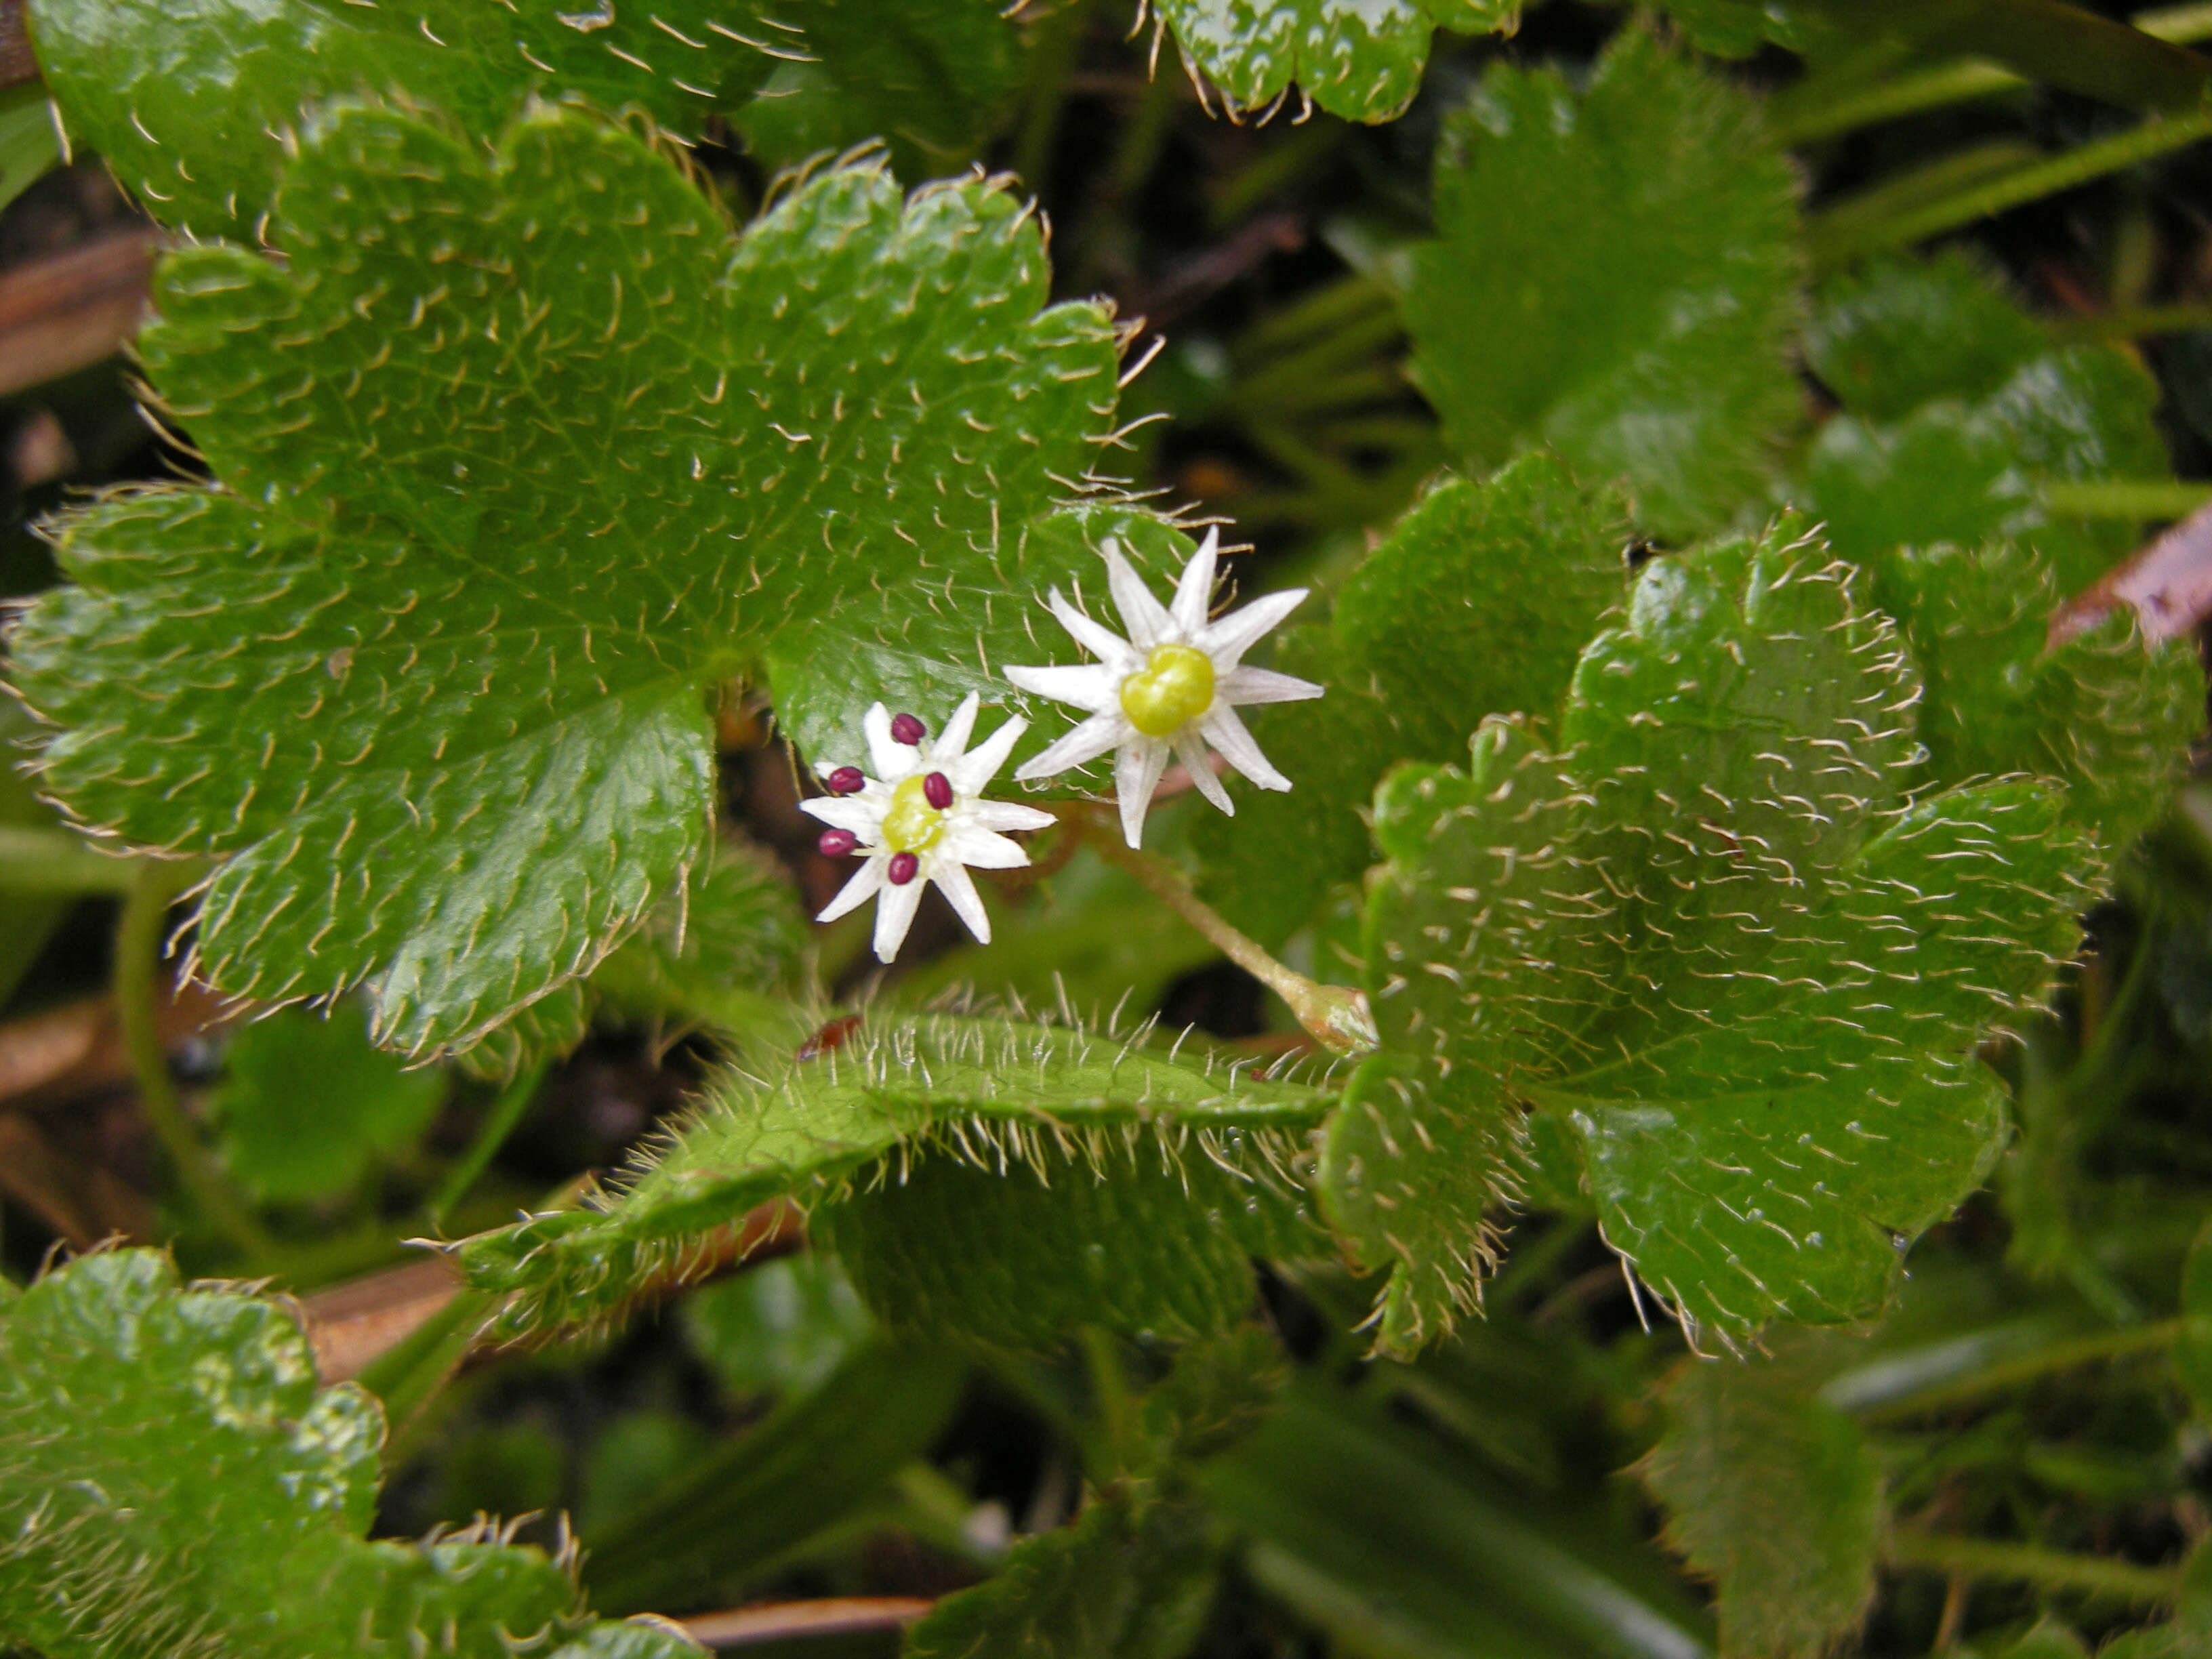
{"x": 1174, "y": 687}
{"x": 912, "y": 825}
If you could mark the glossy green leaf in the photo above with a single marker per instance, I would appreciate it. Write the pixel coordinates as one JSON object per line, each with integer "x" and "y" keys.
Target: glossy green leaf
{"x": 307, "y": 1102}
{"x": 192, "y": 106}
{"x": 502, "y": 496}
{"x": 1129, "y": 1579}
{"x": 931, "y": 77}
{"x": 1714, "y": 938}
{"x": 779, "y": 1327}
{"x": 1616, "y": 278}
{"x": 811, "y": 1462}
{"x": 2107, "y": 715}
{"x": 1970, "y": 472}
{"x": 1776, "y": 1498}
{"x": 1357, "y": 60}
{"x": 193, "y": 1415}
{"x": 1028, "y": 1102}
{"x": 1898, "y": 333}
{"x": 29, "y": 143}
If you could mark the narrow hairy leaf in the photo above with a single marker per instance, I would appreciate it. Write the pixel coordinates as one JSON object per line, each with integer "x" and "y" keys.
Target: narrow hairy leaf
{"x": 1129, "y": 1579}
{"x": 866, "y": 1101}
{"x": 307, "y": 1104}
{"x": 1614, "y": 278}
{"x": 1775, "y": 1496}
{"x": 140, "y": 1420}
{"x": 1360, "y": 61}
{"x": 1714, "y": 937}
{"x": 192, "y": 106}
{"x": 502, "y": 495}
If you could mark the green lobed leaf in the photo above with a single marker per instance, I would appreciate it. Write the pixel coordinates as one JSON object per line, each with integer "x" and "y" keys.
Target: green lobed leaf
{"x": 2110, "y": 716}
{"x": 1129, "y": 1579}
{"x": 782, "y": 1326}
{"x": 1614, "y": 278}
{"x": 307, "y": 1104}
{"x": 1745, "y": 969}
{"x": 1360, "y": 61}
{"x": 932, "y": 77}
{"x": 1887, "y": 337}
{"x": 503, "y": 495}
{"x": 192, "y": 1416}
{"x": 1957, "y": 411}
{"x": 868, "y": 1100}
{"x": 1775, "y": 1496}
{"x": 193, "y": 105}
{"x": 1478, "y": 603}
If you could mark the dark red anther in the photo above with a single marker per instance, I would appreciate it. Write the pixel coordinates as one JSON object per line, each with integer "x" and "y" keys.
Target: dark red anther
{"x": 830, "y": 1037}
{"x": 847, "y": 781}
{"x": 836, "y": 843}
{"x": 904, "y": 867}
{"x": 937, "y": 790}
{"x": 905, "y": 729}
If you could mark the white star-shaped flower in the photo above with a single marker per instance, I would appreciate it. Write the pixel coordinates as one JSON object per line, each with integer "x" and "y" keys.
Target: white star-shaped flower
{"x": 919, "y": 819}
{"x": 1170, "y": 688}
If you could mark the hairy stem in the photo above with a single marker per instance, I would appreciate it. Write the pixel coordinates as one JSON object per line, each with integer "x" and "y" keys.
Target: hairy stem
{"x": 2029, "y": 1564}
{"x": 155, "y": 884}
{"x": 1335, "y": 1016}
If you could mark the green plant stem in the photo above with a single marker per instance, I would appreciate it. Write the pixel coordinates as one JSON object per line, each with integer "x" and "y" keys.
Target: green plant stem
{"x": 2134, "y": 323}
{"x": 1841, "y": 234}
{"x": 1804, "y": 121}
{"x": 499, "y": 1123}
{"x": 154, "y": 884}
{"x": 2127, "y": 498}
{"x": 2027, "y": 1367}
{"x": 58, "y": 862}
{"x": 2027, "y": 1564}
{"x": 1335, "y": 1016}
{"x": 1058, "y": 37}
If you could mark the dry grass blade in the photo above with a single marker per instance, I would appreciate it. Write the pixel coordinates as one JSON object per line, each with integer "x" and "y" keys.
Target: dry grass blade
{"x": 776, "y": 1622}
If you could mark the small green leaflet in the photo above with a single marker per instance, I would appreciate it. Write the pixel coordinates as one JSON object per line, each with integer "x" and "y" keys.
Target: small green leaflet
{"x": 192, "y": 106}
{"x": 1774, "y": 1496}
{"x": 873, "y": 1103}
{"x": 503, "y": 495}
{"x": 1715, "y": 938}
{"x": 192, "y": 1415}
{"x": 1615, "y": 277}
{"x": 1354, "y": 58}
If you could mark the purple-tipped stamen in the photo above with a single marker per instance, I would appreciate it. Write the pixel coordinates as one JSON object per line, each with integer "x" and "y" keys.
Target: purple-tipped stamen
{"x": 905, "y": 729}
{"x": 837, "y": 843}
{"x": 904, "y": 867}
{"x": 937, "y": 790}
{"x": 847, "y": 781}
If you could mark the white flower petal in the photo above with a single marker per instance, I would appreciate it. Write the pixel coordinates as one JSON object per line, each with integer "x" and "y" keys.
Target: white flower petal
{"x": 1146, "y": 619}
{"x": 895, "y": 909}
{"x": 865, "y": 819}
{"x": 893, "y": 759}
{"x": 1109, "y": 648}
{"x": 1090, "y": 686}
{"x": 1087, "y": 741}
{"x": 1227, "y": 733}
{"x": 1190, "y": 749}
{"x": 1137, "y": 771}
{"x": 952, "y": 742}
{"x": 1227, "y": 640}
{"x": 1005, "y": 815}
{"x": 856, "y": 892}
{"x": 980, "y": 848}
{"x": 1194, "y": 593}
{"x": 1241, "y": 687}
{"x": 960, "y": 892}
{"x": 969, "y": 773}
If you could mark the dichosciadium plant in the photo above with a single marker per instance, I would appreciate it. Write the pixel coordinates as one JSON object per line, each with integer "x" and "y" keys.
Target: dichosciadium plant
{"x": 1687, "y": 812}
